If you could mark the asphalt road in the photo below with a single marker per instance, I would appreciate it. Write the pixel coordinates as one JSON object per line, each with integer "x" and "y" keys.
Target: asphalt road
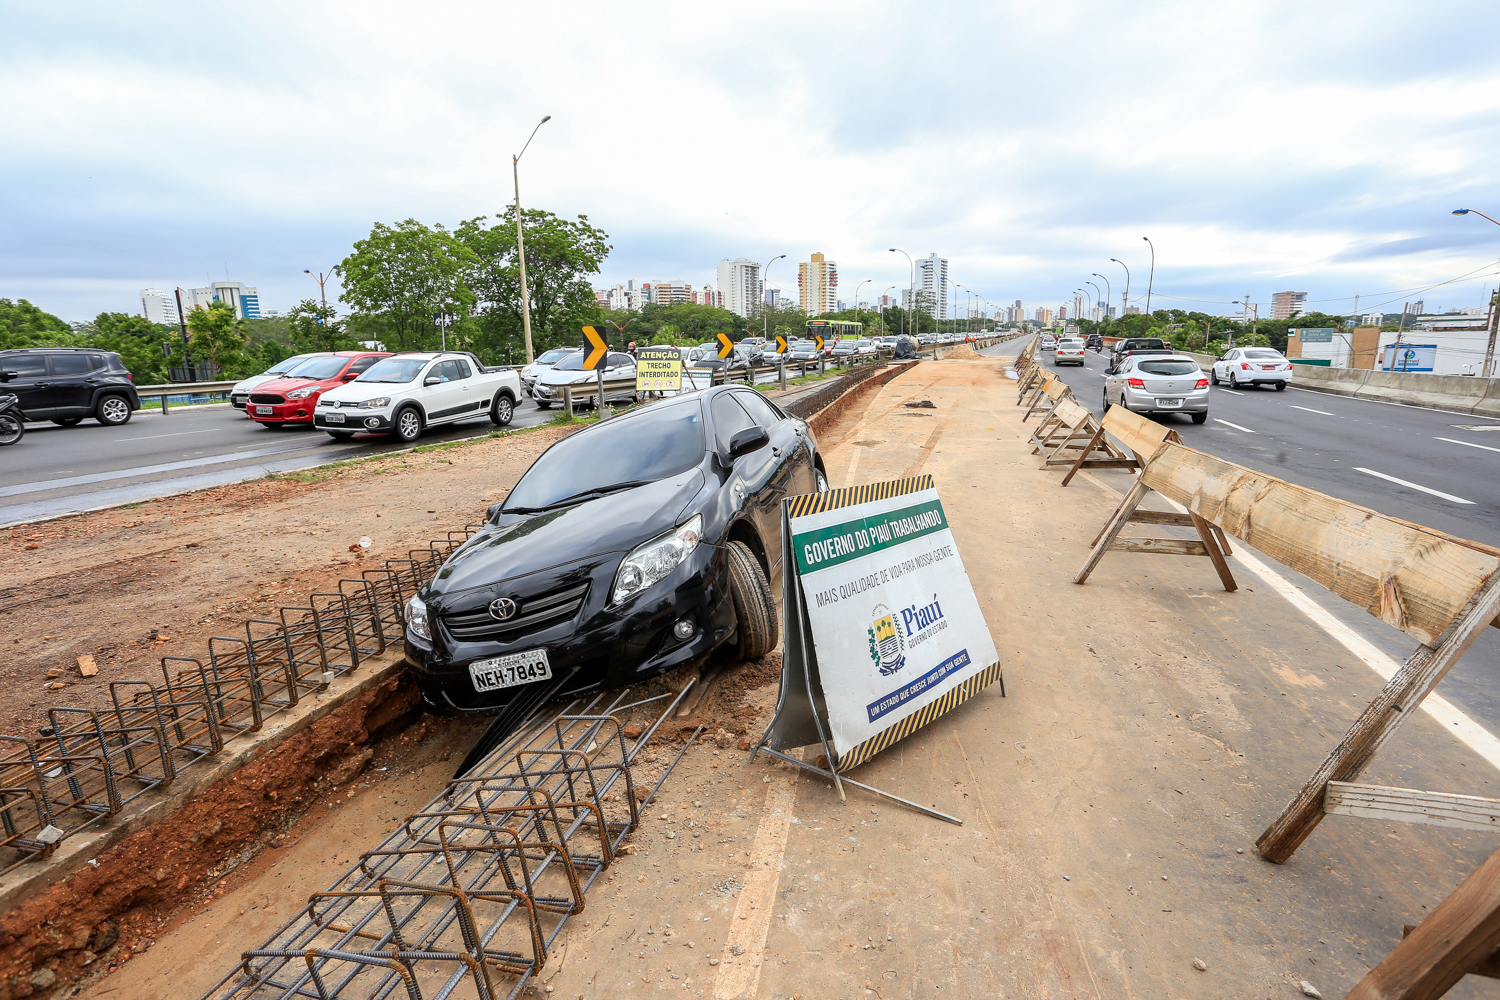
{"x": 1343, "y": 447}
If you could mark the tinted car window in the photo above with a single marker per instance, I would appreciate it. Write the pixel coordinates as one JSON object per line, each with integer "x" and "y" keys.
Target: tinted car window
{"x": 98, "y": 361}
{"x": 729, "y": 419}
{"x": 662, "y": 441}
{"x": 318, "y": 368}
{"x": 615, "y": 360}
{"x": 394, "y": 370}
{"x": 760, "y": 411}
{"x": 26, "y": 365}
{"x": 1263, "y": 355}
{"x": 362, "y": 365}
{"x": 70, "y": 364}
{"x": 1167, "y": 367}
{"x": 445, "y": 370}
{"x": 461, "y": 367}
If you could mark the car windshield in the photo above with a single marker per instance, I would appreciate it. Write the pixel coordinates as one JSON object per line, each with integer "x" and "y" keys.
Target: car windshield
{"x": 1263, "y": 355}
{"x": 660, "y": 442}
{"x": 394, "y": 370}
{"x": 554, "y": 355}
{"x": 1167, "y": 367}
{"x": 319, "y": 368}
{"x": 572, "y": 363}
{"x": 282, "y": 367}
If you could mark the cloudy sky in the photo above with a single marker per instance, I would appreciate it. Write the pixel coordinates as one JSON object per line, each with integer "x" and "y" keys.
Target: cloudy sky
{"x": 1262, "y": 146}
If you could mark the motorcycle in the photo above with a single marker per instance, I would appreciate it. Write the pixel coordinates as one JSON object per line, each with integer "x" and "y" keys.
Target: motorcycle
{"x": 12, "y": 420}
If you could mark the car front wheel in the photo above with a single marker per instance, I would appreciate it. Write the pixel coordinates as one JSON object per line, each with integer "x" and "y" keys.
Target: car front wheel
{"x": 113, "y": 411}
{"x": 822, "y": 480}
{"x": 754, "y": 604}
{"x": 67, "y": 421}
{"x": 502, "y": 411}
{"x": 408, "y": 425}
{"x": 1213, "y": 375}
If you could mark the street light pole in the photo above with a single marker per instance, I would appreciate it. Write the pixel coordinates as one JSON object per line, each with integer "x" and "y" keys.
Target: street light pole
{"x": 1489, "y": 349}
{"x": 912, "y": 302}
{"x": 1125, "y": 297}
{"x": 1152, "y": 280}
{"x": 764, "y": 275}
{"x": 856, "y": 296}
{"x": 321, "y": 279}
{"x": 1108, "y": 294}
{"x": 1084, "y": 291}
{"x": 515, "y": 174}
{"x": 1096, "y": 304}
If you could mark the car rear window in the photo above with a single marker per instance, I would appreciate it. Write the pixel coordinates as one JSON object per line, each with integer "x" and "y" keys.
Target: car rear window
{"x": 1263, "y": 355}
{"x": 1145, "y": 344}
{"x": 319, "y": 368}
{"x": 70, "y": 364}
{"x": 1070, "y": 343}
{"x": 659, "y": 442}
{"x": 1167, "y": 367}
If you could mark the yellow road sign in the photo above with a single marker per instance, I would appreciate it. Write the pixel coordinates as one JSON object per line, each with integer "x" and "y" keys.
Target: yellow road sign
{"x": 658, "y": 369}
{"x": 726, "y": 346}
{"x": 780, "y": 344}
{"x": 819, "y": 341}
{"x": 597, "y": 348}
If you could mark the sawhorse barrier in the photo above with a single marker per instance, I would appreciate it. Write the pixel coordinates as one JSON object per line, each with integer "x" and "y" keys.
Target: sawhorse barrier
{"x": 1085, "y": 446}
{"x": 1049, "y": 392}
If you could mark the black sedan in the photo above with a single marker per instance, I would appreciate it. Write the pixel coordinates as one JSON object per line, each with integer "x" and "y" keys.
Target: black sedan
{"x": 631, "y": 547}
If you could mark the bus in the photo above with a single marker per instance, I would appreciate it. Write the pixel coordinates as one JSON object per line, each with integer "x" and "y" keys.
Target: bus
{"x": 833, "y": 330}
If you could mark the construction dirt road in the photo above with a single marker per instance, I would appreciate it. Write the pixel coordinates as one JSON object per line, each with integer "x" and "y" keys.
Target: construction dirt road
{"x": 1154, "y": 724}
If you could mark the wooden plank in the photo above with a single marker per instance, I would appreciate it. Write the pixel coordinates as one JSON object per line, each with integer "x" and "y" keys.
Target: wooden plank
{"x": 1161, "y": 546}
{"x": 1211, "y": 544}
{"x": 1487, "y": 967}
{"x": 1140, "y": 435}
{"x": 1111, "y": 530}
{"x": 1409, "y": 805}
{"x": 1088, "y": 450}
{"x": 1401, "y": 696}
{"x": 1458, "y": 936}
{"x": 1414, "y": 578}
{"x": 1162, "y": 517}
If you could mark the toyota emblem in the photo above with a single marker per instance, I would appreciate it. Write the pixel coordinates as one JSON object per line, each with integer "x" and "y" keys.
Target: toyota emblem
{"x": 502, "y": 608}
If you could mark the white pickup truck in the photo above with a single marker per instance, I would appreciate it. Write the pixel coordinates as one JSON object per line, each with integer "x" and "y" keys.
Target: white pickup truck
{"x": 406, "y": 393}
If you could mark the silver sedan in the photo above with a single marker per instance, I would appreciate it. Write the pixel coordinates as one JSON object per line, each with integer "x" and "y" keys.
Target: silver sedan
{"x": 1158, "y": 384}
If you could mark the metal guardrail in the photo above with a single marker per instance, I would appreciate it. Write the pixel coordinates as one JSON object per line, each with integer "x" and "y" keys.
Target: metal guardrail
{"x": 181, "y": 389}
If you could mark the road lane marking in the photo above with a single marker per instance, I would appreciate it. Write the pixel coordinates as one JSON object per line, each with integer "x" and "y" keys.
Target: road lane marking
{"x": 1235, "y": 426}
{"x": 1439, "y": 709}
{"x": 1383, "y": 402}
{"x": 172, "y": 434}
{"x": 1466, "y": 444}
{"x": 1309, "y": 409}
{"x": 739, "y": 976}
{"x": 1415, "y": 486}
{"x": 1232, "y": 392}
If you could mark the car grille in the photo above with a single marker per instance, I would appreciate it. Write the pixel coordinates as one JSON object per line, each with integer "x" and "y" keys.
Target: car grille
{"x": 266, "y": 397}
{"x": 533, "y": 614}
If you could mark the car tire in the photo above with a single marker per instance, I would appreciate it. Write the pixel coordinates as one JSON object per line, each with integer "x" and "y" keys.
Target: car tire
{"x": 67, "y": 421}
{"x": 754, "y": 604}
{"x": 1107, "y": 403}
{"x": 406, "y": 426}
{"x": 1199, "y": 418}
{"x": 542, "y": 405}
{"x": 1234, "y": 383}
{"x": 341, "y": 435}
{"x": 820, "y": 480}
{"x": 1280, "y": 386}
{"x": 502, "y": 411}
{"x": 1213, "y": 375}
{"x": 113, "y": 411}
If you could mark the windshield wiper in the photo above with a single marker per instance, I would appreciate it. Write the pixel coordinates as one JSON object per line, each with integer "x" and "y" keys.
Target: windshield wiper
{"x": 589, "y": 494}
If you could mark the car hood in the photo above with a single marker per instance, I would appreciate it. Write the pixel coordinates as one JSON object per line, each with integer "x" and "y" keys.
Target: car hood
{"x": 254, "y": 382}
{"x": 358, "y": 392}
{"x": 520, "y": 544}
{"x": 285, "y": 385}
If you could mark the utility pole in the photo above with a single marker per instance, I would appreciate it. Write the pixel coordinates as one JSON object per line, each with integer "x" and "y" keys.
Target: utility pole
{"x": 515, "y": 174}
{"x": 1488, "y": 370}
{"x": 1400, "y": 329}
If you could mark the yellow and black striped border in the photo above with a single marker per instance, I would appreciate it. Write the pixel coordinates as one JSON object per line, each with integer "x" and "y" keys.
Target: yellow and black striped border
{"x": 814, "y": 503}
{"x": 920, "y": 718}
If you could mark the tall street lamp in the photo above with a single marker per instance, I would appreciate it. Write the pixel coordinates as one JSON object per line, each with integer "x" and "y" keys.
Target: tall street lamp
{"x": 883, "y": 295}
{"x": 1489, "y": 350}
{"x": 321, "y": 279}
{"x": 912, "y": 302}
{"x": 1125, "y": 297}
{"x": 856, "y": 296}
{"x": 1097, "y": 301}
{"x": 515, "y": 173}
{"x": 764, "y": 275}
{"x": 1084, "y": 291}
{"x": 1152, "y": 279}
{"x": 1108, "y": 294}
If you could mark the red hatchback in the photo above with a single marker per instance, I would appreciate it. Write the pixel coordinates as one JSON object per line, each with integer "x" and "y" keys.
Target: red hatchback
{"x": 291, "y": 398}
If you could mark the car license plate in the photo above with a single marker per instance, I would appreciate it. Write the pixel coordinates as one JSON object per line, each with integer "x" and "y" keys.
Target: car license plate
{"x": 1268, "y": 368}
{"x": 334, "y": 418}
{"x": 265, "y": 409}
{"x": 1168, "y": 404}
{"x": 510, "y": 671}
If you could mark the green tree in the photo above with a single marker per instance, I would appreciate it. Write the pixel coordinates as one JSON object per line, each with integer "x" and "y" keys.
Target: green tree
{"x": 315, "y": 327}
{"x": 24, "y": 325}
{"x": 561, "y": 255}
{"x": 405, "y": 274}
{"x": 216, "y": 336}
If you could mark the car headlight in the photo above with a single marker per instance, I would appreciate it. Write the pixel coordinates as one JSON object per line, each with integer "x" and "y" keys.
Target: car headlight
{"x": 416, "y": 618}
{"x": 650, "y": 563}
{"x": 302, "y": 393}
{"x": 378, "y": 403}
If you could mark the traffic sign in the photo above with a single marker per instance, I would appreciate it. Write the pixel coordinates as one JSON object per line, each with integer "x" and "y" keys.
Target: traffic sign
{"x": 780, "y": 344}
{"x": 597, "y": 348}
{"x": 819, "y": 341}
{"x": 726, "y": 346}
{"x": 658, "y": 369}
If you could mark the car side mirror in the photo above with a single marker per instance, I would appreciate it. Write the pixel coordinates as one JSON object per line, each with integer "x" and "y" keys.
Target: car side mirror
{"x": 432, "y": 380}
{"x": 493, "y": 511}
{"x": 350, "y": 376}
{"x": 748, "y": 440}
{"x": 7, "y": 376}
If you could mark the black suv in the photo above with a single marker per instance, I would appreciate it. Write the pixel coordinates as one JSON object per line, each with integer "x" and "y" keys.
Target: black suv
{"x": 65, "y": 385}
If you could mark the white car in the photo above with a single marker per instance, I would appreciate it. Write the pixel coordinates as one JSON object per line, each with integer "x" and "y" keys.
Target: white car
{"x": 404, "y": 394}
{"x": 242, "y": 389}
{"x": 1242, "y": 366}
{"x": 545, "y": 360}
{"x": 1068, "y": 352}
{"x": 1048, "y": 344}
{"x": 570, "y": 371}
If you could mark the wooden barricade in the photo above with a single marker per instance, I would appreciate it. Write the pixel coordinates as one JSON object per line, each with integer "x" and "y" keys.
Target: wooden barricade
{"x": 1027, "y": 369}
{"x": 1049, "y": 393}
{"x": 1440, "y": 590}
{"x": 1084, "y": 446}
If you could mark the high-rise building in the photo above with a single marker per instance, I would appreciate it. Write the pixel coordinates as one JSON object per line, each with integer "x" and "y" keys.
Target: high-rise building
{"x": 818, "y": 285}
{"x": 740, "y": 286}
{"x": 776, "y": 298}
{"x": 1417, "y": 308}
{"x": 885, "y": 302}
{"x": 932, "y": 279}
{"x": 158, "y": 306}
{"x": 243, "y": 299}
{"x": 664, "y": 293}
{"x": 1062, "y": 314}
{"x": 706, "y": 296}
{"x": 1285, "y": 305}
